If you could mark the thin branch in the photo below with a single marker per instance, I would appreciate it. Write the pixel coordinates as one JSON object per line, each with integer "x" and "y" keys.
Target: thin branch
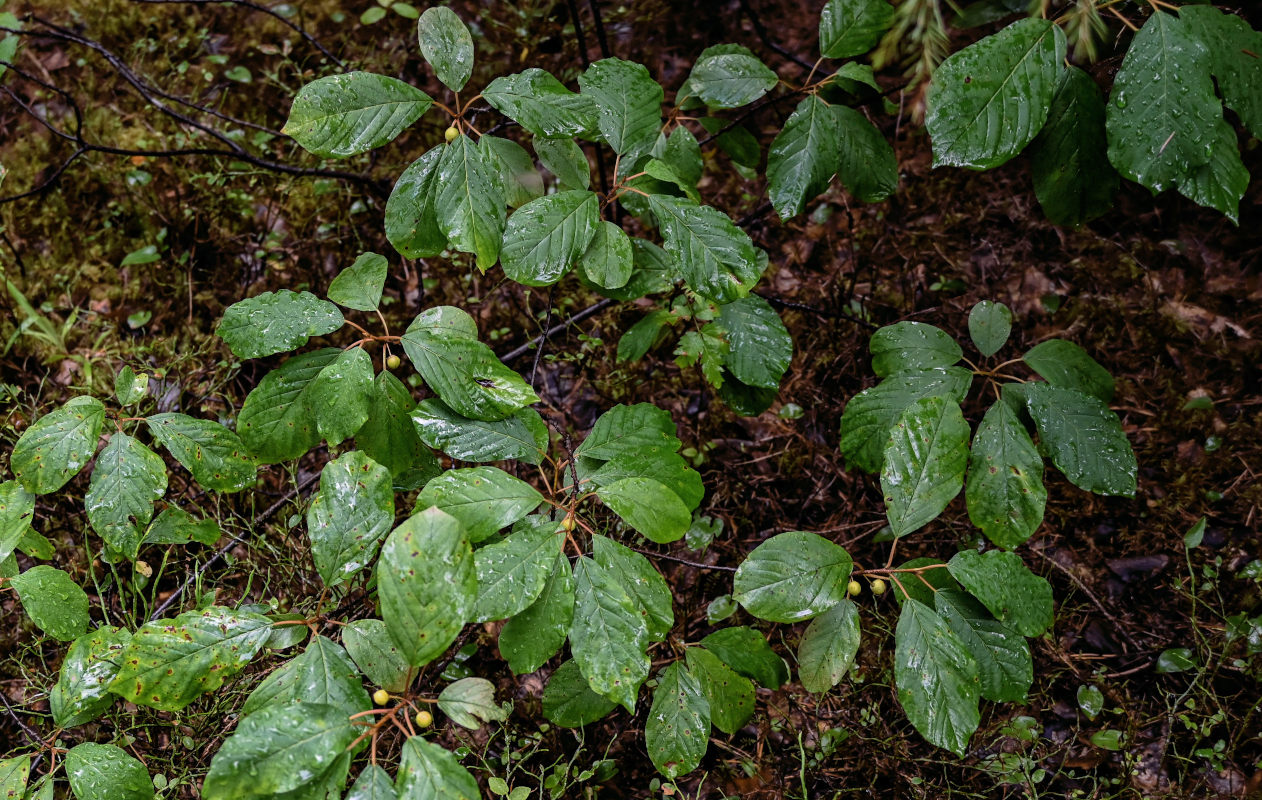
{"x": 575, "y": 318}
{"x": 677, "y": 560}
{"x": 253, "y": 7}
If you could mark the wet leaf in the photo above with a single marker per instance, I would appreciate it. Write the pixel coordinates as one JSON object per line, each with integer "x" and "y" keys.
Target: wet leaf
{"x": 359, "y": 285}
{"x": 569, "y": 702}
{"x": 349, "y": 516}
{"x": 937, "y": 678}
{"x": 512, "y": 572}
{"x": 53, "y": 601}
{"x": 81, "y": 693}
{"x": 912, "y": 347}
{"x": 538, "y": 102}
{"x": 216, "y": 457}
{"x": 275, "y": 322}
{"x": 106, "y": 772}
{"x": 608, "y": 635}
{"x": 924, "y": 463}
{"x": 447, "y": 45}
{"x": 730, "y": 696}
{"x": 792, "y": 577}
{"x": 471, "y": 701}
{"x": 1005, "y": 493}
{"x": 368, "y": 643}
{"x": 1003, "y": 583}
{"x": 677, "y": 731}
{"x": 828, "y": 647}
{"x": 277, "y": 421}
{"x": 323, "y": 673}
{"x": 127, "y": 480}
{"x": 344, "y": 115}
{"x": 536, "y": 634}
{"x": 483, "y": 499}
{"x": 57, "y": 445}
{"x": 429, "y": 771}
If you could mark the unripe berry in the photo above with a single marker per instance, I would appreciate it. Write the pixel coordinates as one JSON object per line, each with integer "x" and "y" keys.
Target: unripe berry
{"x": 393, "y": 361}
{"x": 878, "y": 586}
{"x": 381, "y": 697}
{"x": 451, "y": 134}
{"x": 853, "y": 588}
{"x": 424, "y": 719}
{"x": 569, "y": 523}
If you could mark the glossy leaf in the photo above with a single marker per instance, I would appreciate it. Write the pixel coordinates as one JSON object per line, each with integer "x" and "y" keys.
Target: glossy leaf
{"x": 759, "y": 346}
{"x": 627, "y": 430}
{"x": 216, "y": 456}
{"x": 127, "y": 480}
{"x": 1067, "y": 365}
{"x": 608, "y": 635}
{"x": 359, "y": 285}
{"x": 14, "y": 773}
{"x": 369, "y": 645}
{"x": 343, "y": 115}
{"x": 658, "y": 464}
{"x": 569, "y": 702}
{"x": 341, "y": 395}
{"x": 804, "y": 156}
{"x": 17, "y": 510}
{"x": 434, "y": 773}
{"x": 349, "y": 516}
{"x": 471, "y": 209}
{"x": 566, "y": 160}
{"x": 715, "y": 258}
{"x": 390, "y": 438}
{"x": 851, "y": 27}
{"x": 323, "y": 673}
{"x": 729, "y": 695}
{"x": 176, "y": 526}
{"x": 467, "y": 375}
{"x": 866, "y": 422}
{"x": 642, "y": 582}
{"x": 989, "y": 325}
{"x": 471, "y": 701}
{"x": 412, "y": 209}
{"x": 106, "y": 772}
{"x": 1002, "y": 582}
{"x": 275, "y": 322}
{"x": 538, "y": 102}
{"x": 373, "y": 783}
{"x": 868, "y": 167}
{"x": 1234, "y": 49}
{"x": 277, "y": 421}
{"x": 828, "y": 647}
{"x": 447, "y": 45}
{"x": 1005, "y": 492}
{"x": 1084, "y": 439}
{"x": 792, "y": 577}
{"x": 522, "y": 436}
{"x": 130, "y": 388}
{"x": 513, "y": 571}
{"x": 937, "y": 678}
{"x": 546, "y": 236}
{"x": 649, "y": 507}
{"x": 677, "y": 731}
{"x": 483, "y": 499}
{"x": 81, "y": 693}
{"x": 53, "y": 601}
{"x": 1073, "y": 179}
{"x": 1003, "y": 656}
{"x": 608, "y": 260}
{"x": 911, "y": 347}
{"x": 629, "y": 105}
{"x": 57, "y": 445}
{"x": 534, "y": 635}
{"x": 730, "y": 79}
{"x": 924, "y": 463}
{"x": 513, "y": 168}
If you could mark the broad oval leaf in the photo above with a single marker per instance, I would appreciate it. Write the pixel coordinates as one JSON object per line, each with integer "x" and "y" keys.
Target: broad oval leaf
{"x": 434, "y": 773}
{"x": 277, "y": 421}
{"x": 628, "y": 430}
{"x": 759, "y": 346}
{"x": 642, "y": 582}
{"x": 546, "y": 236}
{"x": 677, "y": 732}
{"x": 803, "y": 157}
{"x": 629, "y": 105}
{"x": 989, "y": 325}
{"x": 483, "y": 499}
{"x": 1067, "y": 365}
{"x": 127, "y": 480}
{"x": 53, "y": 601}
{"x": 569, "y": 702}
{"x": 912, "y": 346}
{"x": 1005, "y": 493}
{"x": 1234, "y": 48}
{"x": 866, "y": 422}
{"x": 216, "y": 456}
{"x": 343, "y": 115}
{"x": 828, "y": 647}
{"x": 58, "y": 445}
{"x": 15, "y": 771}
{"x": 447, "y": 45}
{"x": 471, "y": 209}
{"x": 746, "y": 651}
{"x": 658, "y": 464}
{"x": 851, "y": 27}
{"x": 106, "y": 772}
{"x": 989, "y": 100}
{"x": 648, "y": 506}
{"x": 359, "y": 285}
{"x": 924, "y": 463}
{"x": 730, "y": 696}
{"x": 390, "y": 438}
{"x": 1005, "y": 585}
{"x": 467, "y": 375}
{"x": 17, "y": 509}
{"x": 868, "y": 167}
{"x": 513, "y": 168}
{"x": 412, "y": 210}
{"x": 715, "y": 258}
{"x": 1073, "y": 179}
{"x": 373, "y": 783}
{"x": 323, "y": 673}
{"x": 81, "y": 693}
{"x": 522, "y": 436}
{"x": 1084, "y": 439}
{"x": 369, "y": 645}
{"x": 538, "y": 102}
{"x": 341, "y": 395}
{"x": 937, "y": 678}
{"x": 536, "y": 634}
{"x": 471, "y": 701}
{"x": 512, "y": 572}
{"x": 792, "y": 577}
{"x": 1003, "y": 656}
{"x": 566, "y": 160}
{"x": 275, "y": 322}
{"x": 608, "y": 635}
{"x": 349, "y": 516}
{"x": 730, "y": 79}
{"x": 608, "y": 260}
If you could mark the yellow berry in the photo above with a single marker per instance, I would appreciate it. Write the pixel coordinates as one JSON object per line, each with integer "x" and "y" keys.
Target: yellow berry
{"x": 853, "y": 588}
{"x": 381, "y": 697}
{"x": 569, "y": 523}
{"x": 878, "y": 586}
{"x": 393, "y": 361}
{"x": 424, "y": 719}
{"x": 451, "y": 134}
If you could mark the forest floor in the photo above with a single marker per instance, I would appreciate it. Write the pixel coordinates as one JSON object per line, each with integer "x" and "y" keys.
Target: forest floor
{"x": 1166, "y": 295}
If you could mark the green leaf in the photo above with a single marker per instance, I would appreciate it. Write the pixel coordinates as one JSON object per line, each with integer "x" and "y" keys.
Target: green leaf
{"x": 937, "y": 678}
{"x": 538, "y": 102}
{"x": 828, "y": 647}
{"x": 566, "y": 160}
{"x": 58, "y": 445}
{"x": 1084, "y": 439}
{"x": 1002, "y": 582}
{"x": 522, "y": 436}
{"x": 658, "y": 464}
{"x": 792, "y": 577}
{"x": 447, "y": 45}
{"x": 322, "y": 674}
{"x": 277, "y": 421}
{"x": 467, "y": 375}
{"x": 81, "y": 692}
{"x": 705, "y": 348}
{"x": 471, "y": 209}
{"x": 644, "y": 335}
{"x": 15, "y": 771}
{"x": 739, "y": 144}
{"x": 1067, "y": 365}
{"x": 924, "y": 584}
{"x": 216, "y": 456}
{"x": 608, "y": 635}
{"x": 911, "y": 347}
{"x": 53, "y": 601}
{"x": 412, "y": 209}
{"x": 730, "y": 696}
{"x": 642, "y": 582}
{"x": 483, "y": 499}
{"x": 1003, "y": 656}
{"x": 1073, "y": 179}
{"x": 369, "y": 645}
{"x": 536, "y": 634}
{"x": 427, "y": 584}
{"x": 170, "y": 662}
{"x": 987, "y": 101}
{"x": 868, "y": 167}
{"x": 278, "y": 749}
{"x": 130, "y": 388}
{"x": 569, "y": 702}
{"x": 546, "y": 236}
{"x": 654, "y": 273}
{"x": 677, "y": 731}
{"x": 341, "y": 395}
{"x": 851, "y": 27}
{"x": 715, "y": 258}
{"x": 470, "y": 702}
{"x": 924, "y": 463}
{"x": 343, "y": 115}
{"x": 390, "y": 438}
{"x": 682, "y": 152}
{"x": 852, "y": 75}
{"x": 803, "y": 157}
{"x": 759, "y": 346}
{"x": 1221, "y": 182}
{"x": 608, "y": 260}
{"x": 513, "y": 168}
{"x": 17, "y": 510}
{"x": 106, "y": 772}
{"x": 373, "y": 783}
{"x": 1163, "y": 118}
{"x": 275, "y": 322}
{"x": 359, "y": 285}
{"x": 433, "y": 773}
{"x": 628, "y": 430}
{"x": 989, "y": 325}
{"x": 730, "y": 79}
{"x": 650, "y": 507}
{"x": 127, "y": 480}
{"x": 1234, "y": 50}
{"x": 1005, "y": 492}
{"x": 513, "y": 571}
{"x": 745, "y": 400}
{"x": 629, "y": 106}
{"x": 349, "y": 516}
{"x": 866, "y": 422}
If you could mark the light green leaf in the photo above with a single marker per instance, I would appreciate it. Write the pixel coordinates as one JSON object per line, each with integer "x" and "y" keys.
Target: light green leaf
{"x": 546, "y": 236}
{"x": 278, "y": 749}
{"x": 470, "y": 702}
{"x": 106, "y": 772}
{"x": 430, "y": 772}
{"x": 369, "y": 645}
{"x": 1067, "y": 365}
{"x": 937, "y": 678}
{"x": 866, "y": 422}
{"x": 658, "y": 464}
{"x": 427, "y": 584}
{"x": 627, "y": 430}
{"x": 730, "y": 79}
{"x": 467, "y": 375}
{"x": 274, "y": 322}
{"x": 650, "y": 507}
{"x": 1002, "y": 582}
{"x": 912, "y": 347}
{"x": 216, "y": 456}
{"x": 1005, "y": 492}
{"x": 412, "y": 209}
{"x": 989, "y": 325}
{"x": 852, "y": 75}
{"x": 677, "y": 731}
{"x": 828, "y": 647}
{"x": 349, "y": 516}
{"x": 1003, "y": 656}
{"x": 373, "y": 783}
{"x": 58, "y": 445}
{"x": 566, "y": 160}
{"x": 81, "y": 692}
{"x": 322, "y": 673}
{"x": 53, "y": 601}
{"x": 130, "y": 388}
{"x": 759, "y": 346}
{"x": 608, "y": 260}
{"x": 730, "y": 696}
{"x": 359, "y": 285}
{"x": 1084, "y": 439}
{"x": 538, "y": 102}
{"x": 447, "y": 45}
{"x": 706, "y": 349}
{"x": 987, "y": 101}
{"x": 851, "y": 27}
{"x": 569, "y": 702}
{"x": 390, "y": 438}
{"x": 1234, "y": 50}
{"x": 176, "y": 526}
{"x": 682, "y": 152}
{"x": 17, "y": 510}
{"x": 803, "y": 157}
{"x": 522, "y": 436}
{"x": 608, "y": 635}
{"x": 483, "y": 499}
{"x": 536, "y": 634}
{"x": 868, "y": 167}
{"x": 642, "y": 582}
{"x": 924, "y": 463}
{"x": 715, "y": 258}
{"x": 471, "y": 209}
{"x": 343, "y": 115}
{"x": 629, "y": 105}
{"x": 15, "y": 771}
{"x": 127, "y": 480}
{"x": 1073, "y": 179}
{"x": 792, "y": 577}
{"x": 512, "y": 572}
{"x": 513, "y": 169}
{"x": 341, "y": 395}
{"x": 170, "y": 662}
{"x": 277, "y": 421}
